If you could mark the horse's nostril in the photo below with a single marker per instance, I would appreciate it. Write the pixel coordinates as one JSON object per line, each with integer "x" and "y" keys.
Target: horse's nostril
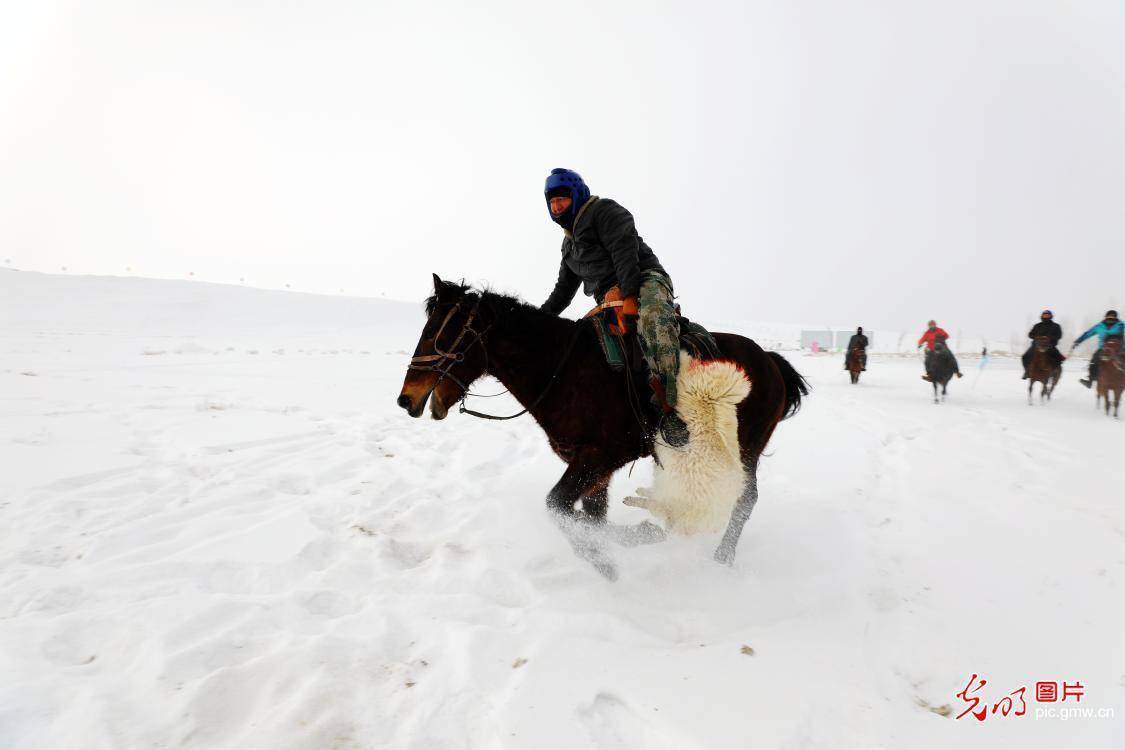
{"x": 404, "y": 401}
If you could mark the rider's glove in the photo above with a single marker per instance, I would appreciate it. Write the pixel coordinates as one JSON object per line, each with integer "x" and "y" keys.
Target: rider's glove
{"x": 626, "y": 316}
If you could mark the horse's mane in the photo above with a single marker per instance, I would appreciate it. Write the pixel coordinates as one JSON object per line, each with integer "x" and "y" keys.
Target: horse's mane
{"x": 500, "y": 304}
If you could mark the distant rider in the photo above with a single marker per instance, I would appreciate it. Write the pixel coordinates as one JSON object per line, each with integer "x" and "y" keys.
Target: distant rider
{"x": 857, "y": 341}
{"x": 1110, "y": 326}
{"x": 601, "y": 250}
{"x": 932, "y": 336}
{"x": 1053, "y": 331}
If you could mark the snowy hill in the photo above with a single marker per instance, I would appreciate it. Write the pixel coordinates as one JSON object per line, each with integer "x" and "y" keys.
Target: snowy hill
{"x": 217, "y": 530}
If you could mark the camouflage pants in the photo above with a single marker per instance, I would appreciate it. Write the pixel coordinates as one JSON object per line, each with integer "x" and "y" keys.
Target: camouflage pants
{"x": 659, "y": 330}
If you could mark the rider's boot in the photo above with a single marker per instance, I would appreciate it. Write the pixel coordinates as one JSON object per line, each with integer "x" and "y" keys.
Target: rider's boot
{"x": 1092, "y": 373}
{"x": 672, "y": 427}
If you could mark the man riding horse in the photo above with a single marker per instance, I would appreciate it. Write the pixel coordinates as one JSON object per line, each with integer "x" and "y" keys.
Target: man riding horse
{"x": 1053, "y": 331}
{"x": 602, "y": 250}
{"x": 1110, "y": 326}
{"x": 932, "y": 336}
{"x": 857, "y": 341}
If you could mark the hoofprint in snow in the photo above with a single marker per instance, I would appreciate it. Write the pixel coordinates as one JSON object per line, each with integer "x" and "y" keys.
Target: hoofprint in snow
{"x": 217, "y": 530}
{"x": 695, "y": 487}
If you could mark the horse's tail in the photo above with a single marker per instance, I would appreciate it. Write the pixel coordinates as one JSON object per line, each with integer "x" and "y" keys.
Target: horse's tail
{"x": 795, "y": 385}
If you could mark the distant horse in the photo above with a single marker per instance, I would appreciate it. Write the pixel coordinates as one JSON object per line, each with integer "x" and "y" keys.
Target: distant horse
{"x": 595, "y": 421}
{"x": 1111, "y": 375}
{"x": 942, "y": 368}
{"x": 857, "y": 359}
{"x": 1042, "y": 369}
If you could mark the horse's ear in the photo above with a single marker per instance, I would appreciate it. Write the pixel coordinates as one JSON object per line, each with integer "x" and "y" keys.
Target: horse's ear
{"x": 438, "y": 284}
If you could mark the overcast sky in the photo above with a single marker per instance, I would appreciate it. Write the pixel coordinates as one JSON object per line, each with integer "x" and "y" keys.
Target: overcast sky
{"x": 876, "y": 163}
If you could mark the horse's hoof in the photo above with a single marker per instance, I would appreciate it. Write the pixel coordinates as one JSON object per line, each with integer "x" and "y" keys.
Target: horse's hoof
{"x": 723, "y": 558}
{"x": 607, "y": 569}
{"x": 645, "y": 532}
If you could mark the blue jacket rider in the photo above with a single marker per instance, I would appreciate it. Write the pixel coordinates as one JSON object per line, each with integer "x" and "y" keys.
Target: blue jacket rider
{"x": 1111, "y": 326}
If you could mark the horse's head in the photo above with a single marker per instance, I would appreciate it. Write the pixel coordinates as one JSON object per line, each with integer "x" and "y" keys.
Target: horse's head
{"x": 450, "y": 353}
{"x": 939, "y": 346}
{"x": 1112, "y": 346}
{"x": 1042, "y": 343}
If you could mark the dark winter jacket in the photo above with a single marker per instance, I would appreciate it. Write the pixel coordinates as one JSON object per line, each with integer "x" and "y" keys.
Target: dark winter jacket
{"x": 857, "y": 341}
{"x": 1048, "y": 328}
{"x": 603, "y": 251}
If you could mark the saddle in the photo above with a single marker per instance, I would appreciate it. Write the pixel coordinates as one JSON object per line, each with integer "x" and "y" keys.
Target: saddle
{"x": 621, "y": 349}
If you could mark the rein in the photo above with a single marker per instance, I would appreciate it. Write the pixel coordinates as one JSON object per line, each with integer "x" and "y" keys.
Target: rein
{"x": 558, "y": 368}
{"x": 443, "y": 361}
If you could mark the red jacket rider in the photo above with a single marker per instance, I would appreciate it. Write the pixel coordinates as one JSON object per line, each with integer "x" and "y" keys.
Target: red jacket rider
{"x": 932, "y": 334}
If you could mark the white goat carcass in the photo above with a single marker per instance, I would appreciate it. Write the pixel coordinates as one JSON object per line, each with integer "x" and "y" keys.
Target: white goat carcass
{"x": 695, "y": 487}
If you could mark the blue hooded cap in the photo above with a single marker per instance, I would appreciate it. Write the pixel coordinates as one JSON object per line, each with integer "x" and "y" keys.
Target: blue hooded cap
{"x": 563, "y": 182}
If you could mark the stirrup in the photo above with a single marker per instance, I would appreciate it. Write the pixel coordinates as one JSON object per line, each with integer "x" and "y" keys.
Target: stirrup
{"x": 674, "y": 430}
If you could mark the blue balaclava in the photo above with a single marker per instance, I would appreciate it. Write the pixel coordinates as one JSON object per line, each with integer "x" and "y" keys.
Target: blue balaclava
{"x": 565, "y": 183}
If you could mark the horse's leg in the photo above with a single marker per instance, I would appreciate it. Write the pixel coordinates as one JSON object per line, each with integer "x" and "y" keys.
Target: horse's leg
{"x": 595, "y": 502}
{"x": 741, "y": 512}
{"x": 576, "y": 482}
{"x": 935, "y": 392}
{"x": 1030, "y": 388}
{"x": 595, "y": 506}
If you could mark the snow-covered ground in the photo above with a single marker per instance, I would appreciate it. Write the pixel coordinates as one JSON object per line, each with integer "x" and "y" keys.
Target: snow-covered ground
{"x": 217, "y": 530}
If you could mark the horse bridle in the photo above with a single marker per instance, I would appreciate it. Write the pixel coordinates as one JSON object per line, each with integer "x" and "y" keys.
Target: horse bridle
{"x": 443, "y": 361}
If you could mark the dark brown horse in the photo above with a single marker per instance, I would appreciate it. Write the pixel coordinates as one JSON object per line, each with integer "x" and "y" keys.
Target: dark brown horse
{"x": 1042, "y": 369}
{"x": 596, "y": 421}
{"x": 1111, "y": 374}
{"x": 942, "y": 368}
{"x": 857, "y": 360}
